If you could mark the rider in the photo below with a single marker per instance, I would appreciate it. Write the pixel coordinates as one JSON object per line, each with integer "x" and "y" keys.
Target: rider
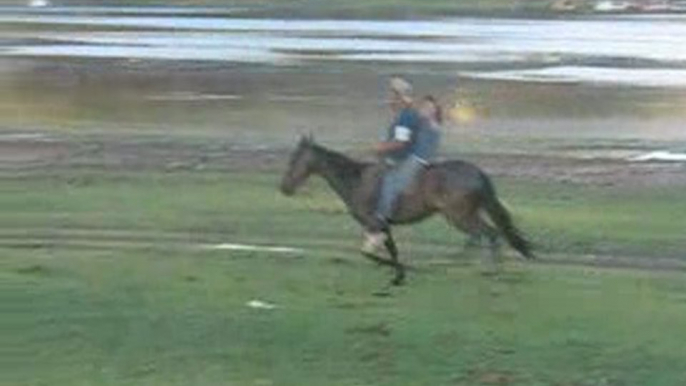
{"x": 397, "y": 152}
{"x": 429, "y": 137}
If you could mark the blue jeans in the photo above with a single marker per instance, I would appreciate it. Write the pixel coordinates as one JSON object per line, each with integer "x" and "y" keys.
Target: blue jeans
{"x": 394, "y": 183}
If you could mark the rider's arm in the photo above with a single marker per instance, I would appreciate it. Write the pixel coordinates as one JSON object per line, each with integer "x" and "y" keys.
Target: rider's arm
{"x": 401, "y": 138}
{"x": 383, "y": 148}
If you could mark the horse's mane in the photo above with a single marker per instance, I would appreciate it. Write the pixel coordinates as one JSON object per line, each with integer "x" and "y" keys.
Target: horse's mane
{"x": 336, "y": 158}
{"x": 338, "y": 161}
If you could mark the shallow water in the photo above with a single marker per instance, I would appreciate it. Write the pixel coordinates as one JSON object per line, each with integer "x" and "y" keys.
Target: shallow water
{"x": 644, "y": 77}
{"x": 591, "y": 45}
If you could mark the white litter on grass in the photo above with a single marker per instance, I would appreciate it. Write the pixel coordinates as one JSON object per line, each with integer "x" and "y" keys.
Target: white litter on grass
{"x": 660, "y": 156}
{"x": 255, "y": 248}
{"x": 260, "y": 305}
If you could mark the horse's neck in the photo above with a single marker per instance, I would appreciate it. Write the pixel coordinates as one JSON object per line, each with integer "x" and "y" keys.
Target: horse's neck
{"x": 341, "y": 173}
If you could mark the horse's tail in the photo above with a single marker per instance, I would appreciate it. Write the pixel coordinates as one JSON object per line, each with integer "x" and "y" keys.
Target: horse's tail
{"x": 503, "y": 221}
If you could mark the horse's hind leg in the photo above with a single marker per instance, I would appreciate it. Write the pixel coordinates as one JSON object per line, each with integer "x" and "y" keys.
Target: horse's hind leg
{"x": 458, "y": 221}
{"x": 477, "y": 229}
{"x": 481, "y": 228}
{"x": 472, "y": 241}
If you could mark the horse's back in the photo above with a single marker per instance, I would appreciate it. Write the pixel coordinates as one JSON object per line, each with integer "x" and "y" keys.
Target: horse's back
{"x": 455, "y": 166}
{"x": 455, "y": 174}
{"x": 434, "y": 187}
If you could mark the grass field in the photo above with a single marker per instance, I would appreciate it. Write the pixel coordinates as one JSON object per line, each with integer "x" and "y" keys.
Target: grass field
{"x": 106, "y": 283}
{"x": 245, "y": 207}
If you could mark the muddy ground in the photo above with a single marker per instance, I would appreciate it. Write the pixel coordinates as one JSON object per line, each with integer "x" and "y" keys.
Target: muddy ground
{"x": 27, "y": 153}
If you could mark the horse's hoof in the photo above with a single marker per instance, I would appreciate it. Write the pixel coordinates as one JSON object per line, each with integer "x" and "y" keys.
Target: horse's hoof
{"x": 384, "y": 293}
{"x": 398, "y": 281}
{"x": 490, "y": 272}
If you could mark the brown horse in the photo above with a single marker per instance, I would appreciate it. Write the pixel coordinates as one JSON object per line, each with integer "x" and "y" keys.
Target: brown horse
{"x": 458, "y": 190}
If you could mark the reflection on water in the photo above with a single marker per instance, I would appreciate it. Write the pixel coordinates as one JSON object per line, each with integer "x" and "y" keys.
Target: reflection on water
{"x": 657, "y": 43}
{"x": 660, "y": 155}
{"x": 648, "y": 77}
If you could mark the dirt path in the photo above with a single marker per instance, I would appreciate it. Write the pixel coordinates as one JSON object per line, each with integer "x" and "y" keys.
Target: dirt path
{"x": 22, "y": 154}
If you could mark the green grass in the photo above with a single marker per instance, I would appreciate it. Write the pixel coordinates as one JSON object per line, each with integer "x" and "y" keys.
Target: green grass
{"x": 164, "y": 312}
{"x": 148, "y": 318}
{"x": 596, "y": 219}
{"x": 560, "y": 218}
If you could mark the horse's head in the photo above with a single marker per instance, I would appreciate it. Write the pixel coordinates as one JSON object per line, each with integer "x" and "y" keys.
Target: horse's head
{"x": 300, "y": 166}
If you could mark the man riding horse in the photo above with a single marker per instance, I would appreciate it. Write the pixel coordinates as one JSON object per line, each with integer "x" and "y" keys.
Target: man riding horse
{"x": 409, "y": 145}
{"x": 458, "y": 190}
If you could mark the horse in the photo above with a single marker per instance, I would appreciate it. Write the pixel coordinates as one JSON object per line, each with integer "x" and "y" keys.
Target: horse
{"x": 458, "y": 190}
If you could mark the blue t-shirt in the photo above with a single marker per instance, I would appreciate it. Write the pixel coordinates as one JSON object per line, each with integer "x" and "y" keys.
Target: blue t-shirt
{"x": 405, "y": 128}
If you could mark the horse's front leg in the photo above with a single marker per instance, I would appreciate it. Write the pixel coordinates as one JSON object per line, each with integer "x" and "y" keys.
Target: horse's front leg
{"x": 394, "y": 262}
{"x": 392, "y": 249}
{"x": 362, "y": 210}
